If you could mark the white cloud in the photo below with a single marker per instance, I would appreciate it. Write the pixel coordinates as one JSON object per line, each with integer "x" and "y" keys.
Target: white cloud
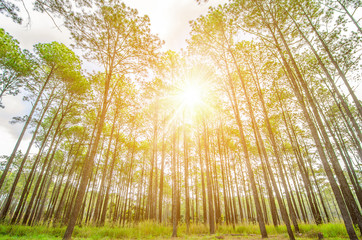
{"x": 14, "y": 106}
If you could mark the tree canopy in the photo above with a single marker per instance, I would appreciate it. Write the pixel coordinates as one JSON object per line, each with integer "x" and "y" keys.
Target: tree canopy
{"x": 258, "y": 121}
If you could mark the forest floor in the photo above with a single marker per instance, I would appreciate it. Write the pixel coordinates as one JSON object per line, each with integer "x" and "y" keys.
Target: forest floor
{"x": 148, "y": 230}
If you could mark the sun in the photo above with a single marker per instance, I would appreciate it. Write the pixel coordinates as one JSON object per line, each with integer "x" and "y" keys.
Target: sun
{"x": 191, "y": 100}
{"x": 191, "y": 96}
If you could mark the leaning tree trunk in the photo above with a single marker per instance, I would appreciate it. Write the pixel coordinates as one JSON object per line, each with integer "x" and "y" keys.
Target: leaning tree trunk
{"x": 13, "y": 154}
{"x": 8, "y": 200}
{"x": 323, "y": 157}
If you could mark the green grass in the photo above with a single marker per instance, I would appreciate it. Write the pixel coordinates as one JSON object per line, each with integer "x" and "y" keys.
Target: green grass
{"x": 150, "y": 230}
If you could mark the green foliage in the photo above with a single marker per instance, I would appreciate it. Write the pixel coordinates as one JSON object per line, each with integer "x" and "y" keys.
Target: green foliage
{"x": 62, "y": 60}
{"x": 11, "y": 55}
{"x": 115, "y": 36}
{"x": 10, "y": 10}
{"x": 15, "y": 64}
{"x": 59, "y": 61}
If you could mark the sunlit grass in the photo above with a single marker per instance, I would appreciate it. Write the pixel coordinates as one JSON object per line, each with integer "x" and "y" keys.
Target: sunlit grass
{"x": 152, "y": 230}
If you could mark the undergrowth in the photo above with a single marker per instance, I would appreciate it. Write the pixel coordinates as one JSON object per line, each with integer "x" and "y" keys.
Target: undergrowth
{"x": 151, "y": 230}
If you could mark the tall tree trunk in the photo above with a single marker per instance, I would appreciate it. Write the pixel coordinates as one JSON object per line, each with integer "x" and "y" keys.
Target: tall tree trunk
{"x": 88, "y": 163}
{"x": 13, "y": 154}
{"x": 323, "y": 157}
{"x": 174, "y": 186}
{"x": 246, "y": 156}
{"x": 161, "y": 179}
{"x": 186, "y": 171}
{"x": 202, "y": 181}
{"x": 334, "y": 62}
{"x": 8, "y": 200}
{"x": 208, "y": 180}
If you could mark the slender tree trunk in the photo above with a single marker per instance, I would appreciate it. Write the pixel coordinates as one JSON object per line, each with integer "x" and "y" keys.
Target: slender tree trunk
{"x": 334, "y": 62}
{"x": 161, "y": 179}
{"x": 7, "y": 203}
{"x": 350, "y": 16}
{"x": 88, "y": 163}
{"x": 186, "y": 171}
{"x": 329, "y": 173}
{"x": 208, "y": 180}
{"x": 13, "y": 154}
{"x": 247, "y": 159}
{"x": 174, "y": 187}
{"x": 202, "y": 181}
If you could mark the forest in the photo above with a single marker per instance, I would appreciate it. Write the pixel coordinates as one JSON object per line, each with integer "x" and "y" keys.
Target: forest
{"x": 255, "y": 125}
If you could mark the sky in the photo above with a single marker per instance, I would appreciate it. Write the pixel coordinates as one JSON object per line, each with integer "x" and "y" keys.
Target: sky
{"x": 169, "y": 19}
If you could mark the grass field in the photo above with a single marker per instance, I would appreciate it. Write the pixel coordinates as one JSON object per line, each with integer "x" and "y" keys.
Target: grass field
{"x": 149, "y": 230}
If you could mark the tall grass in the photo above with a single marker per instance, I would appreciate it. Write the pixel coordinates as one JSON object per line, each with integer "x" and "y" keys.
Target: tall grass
{"x": 151, "y": 230}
